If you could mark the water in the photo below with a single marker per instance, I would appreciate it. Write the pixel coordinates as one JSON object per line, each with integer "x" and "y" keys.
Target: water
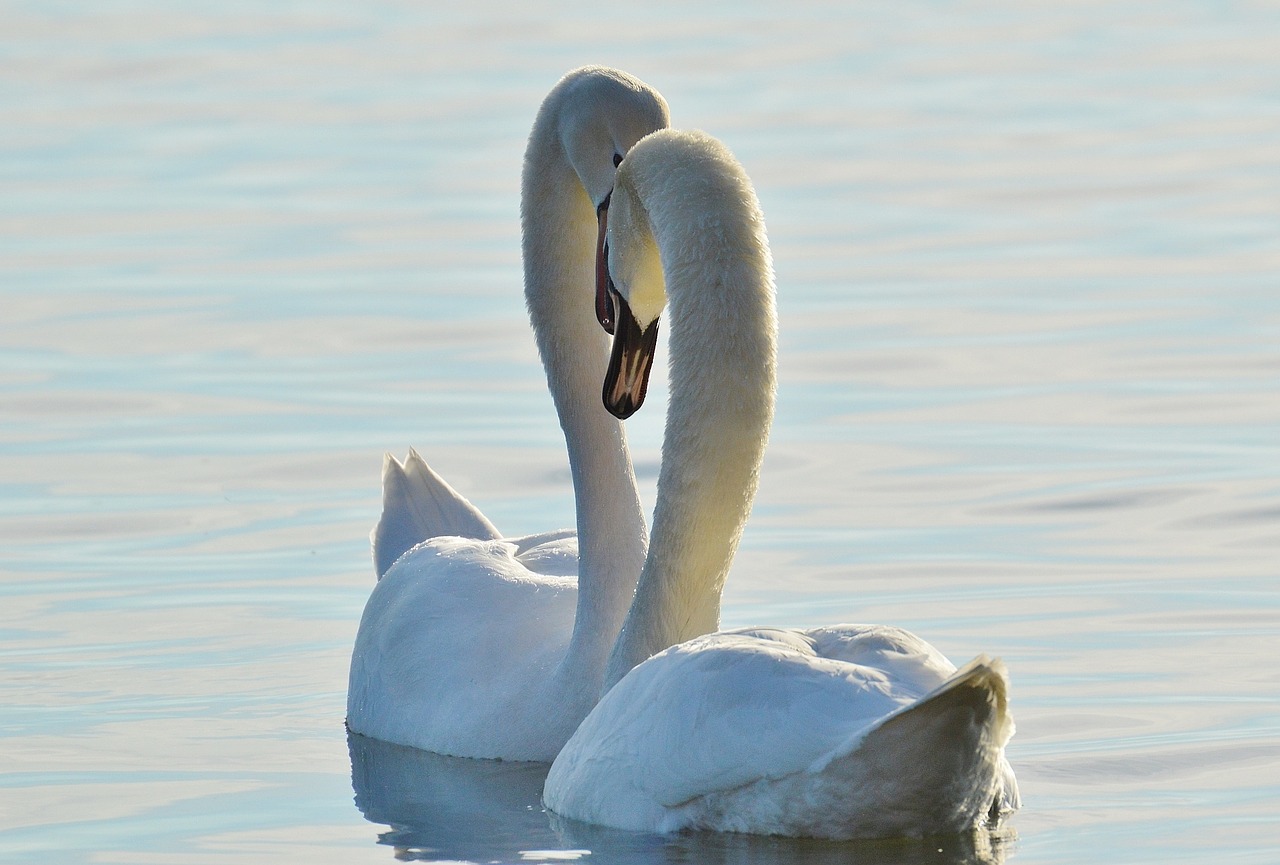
{"x": 1027, "y": 263}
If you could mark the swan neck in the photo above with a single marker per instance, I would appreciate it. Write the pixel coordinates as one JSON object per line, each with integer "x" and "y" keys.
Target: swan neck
{"x": 558, "y": 239}
{"x": 722, "y": 382}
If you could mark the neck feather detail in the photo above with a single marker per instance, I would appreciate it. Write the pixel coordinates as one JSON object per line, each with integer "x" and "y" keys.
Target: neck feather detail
{"x": 710, "y": 235}
{"x": 558, "y": 239}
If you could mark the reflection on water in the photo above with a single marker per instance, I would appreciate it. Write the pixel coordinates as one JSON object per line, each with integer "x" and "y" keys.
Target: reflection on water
{"x": 443, "y": 808}
{"x": 448, "y": 808}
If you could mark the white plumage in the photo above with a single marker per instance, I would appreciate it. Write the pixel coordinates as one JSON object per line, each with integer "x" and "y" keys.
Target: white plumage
{"x": 841, "y": 732}
{"x": 478, "y": 646}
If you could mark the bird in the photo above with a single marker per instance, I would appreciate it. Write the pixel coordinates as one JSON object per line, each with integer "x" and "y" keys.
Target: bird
{"x": 472, "y": 644}
{"x": 847, "y": 731}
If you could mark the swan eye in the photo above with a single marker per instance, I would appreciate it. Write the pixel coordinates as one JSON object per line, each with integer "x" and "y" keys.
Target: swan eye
{"x": 617, "y": 158}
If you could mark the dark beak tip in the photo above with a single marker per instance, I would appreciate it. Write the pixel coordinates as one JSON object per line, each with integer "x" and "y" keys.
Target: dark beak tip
{"x": 624, "y": 409}
{"x": 626, "y": 380}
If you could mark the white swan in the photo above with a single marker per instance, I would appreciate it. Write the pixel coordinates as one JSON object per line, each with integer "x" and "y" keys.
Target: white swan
{"x": 840, "y": 732}
{"x": 474, "y": 645}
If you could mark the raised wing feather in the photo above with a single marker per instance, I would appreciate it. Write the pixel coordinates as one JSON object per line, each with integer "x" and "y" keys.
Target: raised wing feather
{"x": 418, "y": 504}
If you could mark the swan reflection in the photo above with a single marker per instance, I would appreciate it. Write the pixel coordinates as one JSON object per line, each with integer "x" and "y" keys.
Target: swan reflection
{"x": 452, "y": 809}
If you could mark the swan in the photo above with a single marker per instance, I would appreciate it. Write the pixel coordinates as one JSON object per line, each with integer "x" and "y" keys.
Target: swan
{"x": 476, "y": 645}
{"x": 839, "y": 732}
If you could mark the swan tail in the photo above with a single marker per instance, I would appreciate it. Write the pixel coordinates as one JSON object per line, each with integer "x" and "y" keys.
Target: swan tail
{"x": 418, "y": 504}
{"x": 938, "y": 765}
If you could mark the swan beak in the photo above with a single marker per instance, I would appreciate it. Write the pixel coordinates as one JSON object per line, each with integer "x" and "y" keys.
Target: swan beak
{"x": 604, "y": 303}
{"x": 627, "y": 380}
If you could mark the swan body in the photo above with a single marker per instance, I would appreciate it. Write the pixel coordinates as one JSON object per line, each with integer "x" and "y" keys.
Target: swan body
{"x": 851, "y": 731}
{"x": 472, "y": 644}
{"x": 840, "y": 732}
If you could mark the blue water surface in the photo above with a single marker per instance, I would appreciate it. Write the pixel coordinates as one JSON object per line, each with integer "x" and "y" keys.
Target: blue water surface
{"x": 1029, "y": 402}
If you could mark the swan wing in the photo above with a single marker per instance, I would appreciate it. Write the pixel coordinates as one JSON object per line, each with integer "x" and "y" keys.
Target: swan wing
{"x": 724, "y": 711}
{"x": 418, "y": 504}
{"x": 550, "y": 554}
{"x": 757, "y": 731}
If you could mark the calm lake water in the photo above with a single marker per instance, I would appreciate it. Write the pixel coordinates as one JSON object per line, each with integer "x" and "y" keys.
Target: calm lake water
{"x": 1029, "y": 285}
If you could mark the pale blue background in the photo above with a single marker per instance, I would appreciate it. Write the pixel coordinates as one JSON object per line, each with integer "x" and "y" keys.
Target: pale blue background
{"x": 1028, "y": 261}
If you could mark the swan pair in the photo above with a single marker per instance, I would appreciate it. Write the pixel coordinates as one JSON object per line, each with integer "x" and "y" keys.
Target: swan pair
{"x": 476, "y": 645}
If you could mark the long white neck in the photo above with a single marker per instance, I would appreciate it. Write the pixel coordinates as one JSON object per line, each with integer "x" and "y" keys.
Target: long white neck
{"x": 559, "y": 236}
{"x": 720, "y": 305}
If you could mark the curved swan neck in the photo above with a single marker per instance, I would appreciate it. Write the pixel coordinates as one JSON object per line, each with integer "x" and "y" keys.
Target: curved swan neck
{"x": 709, "y": 232}
{"x": 558, "y": 239}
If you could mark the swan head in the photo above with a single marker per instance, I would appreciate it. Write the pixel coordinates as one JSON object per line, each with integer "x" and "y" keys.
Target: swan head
{"x": 601, "y": 114}
{"x": 683, "y": 210}
{"x": 632, "y": 288}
